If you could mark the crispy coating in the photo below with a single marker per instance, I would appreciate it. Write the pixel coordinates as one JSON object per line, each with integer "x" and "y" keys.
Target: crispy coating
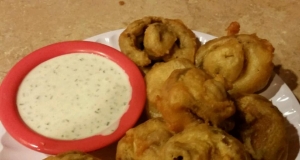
{"x": 186, "y": 43}
{"x": 155, "y": 78}
{"x": 189, "y": 95}
{"x": 143, "y": 142}
{"x": 244, "y": 60}
{"x": 203, "y": 142}
{"x": 152, "y": 39}
{"x": 261, "y": 128}
{"x": 72, "y": 155}
{"x": 158, "y": 32}
{"x": 233, "y": 28}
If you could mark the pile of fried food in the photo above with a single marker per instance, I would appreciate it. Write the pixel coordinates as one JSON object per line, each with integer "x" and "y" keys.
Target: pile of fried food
{"x": 72, "y": 155}
{"x": 202, "y": 101}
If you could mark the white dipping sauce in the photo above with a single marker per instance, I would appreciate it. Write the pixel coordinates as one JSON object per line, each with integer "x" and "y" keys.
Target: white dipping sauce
{"x": 74, "y": 96}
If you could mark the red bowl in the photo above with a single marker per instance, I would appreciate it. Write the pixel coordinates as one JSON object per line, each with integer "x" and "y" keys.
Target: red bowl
{"x": 15, "y": 126}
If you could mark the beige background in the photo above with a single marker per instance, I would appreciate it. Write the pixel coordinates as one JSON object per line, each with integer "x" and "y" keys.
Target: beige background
{"x": 26, "y": 25}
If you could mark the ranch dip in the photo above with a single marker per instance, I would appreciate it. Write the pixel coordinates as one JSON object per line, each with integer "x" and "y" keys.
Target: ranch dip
{"x": 74, "y": 96}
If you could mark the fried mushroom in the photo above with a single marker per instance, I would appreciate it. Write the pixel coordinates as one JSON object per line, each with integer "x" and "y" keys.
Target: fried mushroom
{"x": 72, "y": 155}
{"x": 144, "y": 141}
{"x": 201, "y": 141}
{"x": 190, "y": 95}
{"x": 155, "y": 79}
{"x": 243, "y": 60}
{"x": 261, "y": 128}
{"x": 153, "y": 39}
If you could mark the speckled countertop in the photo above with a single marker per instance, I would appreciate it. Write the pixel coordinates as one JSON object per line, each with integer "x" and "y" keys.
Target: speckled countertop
{"x": 27, "y": 25}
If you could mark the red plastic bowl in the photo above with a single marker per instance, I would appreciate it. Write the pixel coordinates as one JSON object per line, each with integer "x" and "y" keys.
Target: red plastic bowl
{"x": 14, "y": 125}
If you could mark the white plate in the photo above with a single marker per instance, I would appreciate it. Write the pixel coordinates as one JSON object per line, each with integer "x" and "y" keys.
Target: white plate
{"x": 278, "y": 92}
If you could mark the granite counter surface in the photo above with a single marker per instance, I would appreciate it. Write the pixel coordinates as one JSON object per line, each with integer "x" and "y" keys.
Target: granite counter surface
{"x": 28, "y": 25}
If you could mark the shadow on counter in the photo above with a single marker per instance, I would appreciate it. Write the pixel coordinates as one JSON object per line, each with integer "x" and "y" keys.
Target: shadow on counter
{"x": 288, "y": 76}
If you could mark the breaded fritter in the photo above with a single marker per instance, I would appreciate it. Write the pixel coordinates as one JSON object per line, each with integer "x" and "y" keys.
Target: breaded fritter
{"x": 144, "y": 141}
{"x": 189, "y": 95}
{"x": 243, "y": 60}
{"x": 203, "y": 142}
{"x": 155, "y": 78}
{"x": 152, "y": 39}
{"x": 72, "y": 155}
{"x": 261, "y": 128}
